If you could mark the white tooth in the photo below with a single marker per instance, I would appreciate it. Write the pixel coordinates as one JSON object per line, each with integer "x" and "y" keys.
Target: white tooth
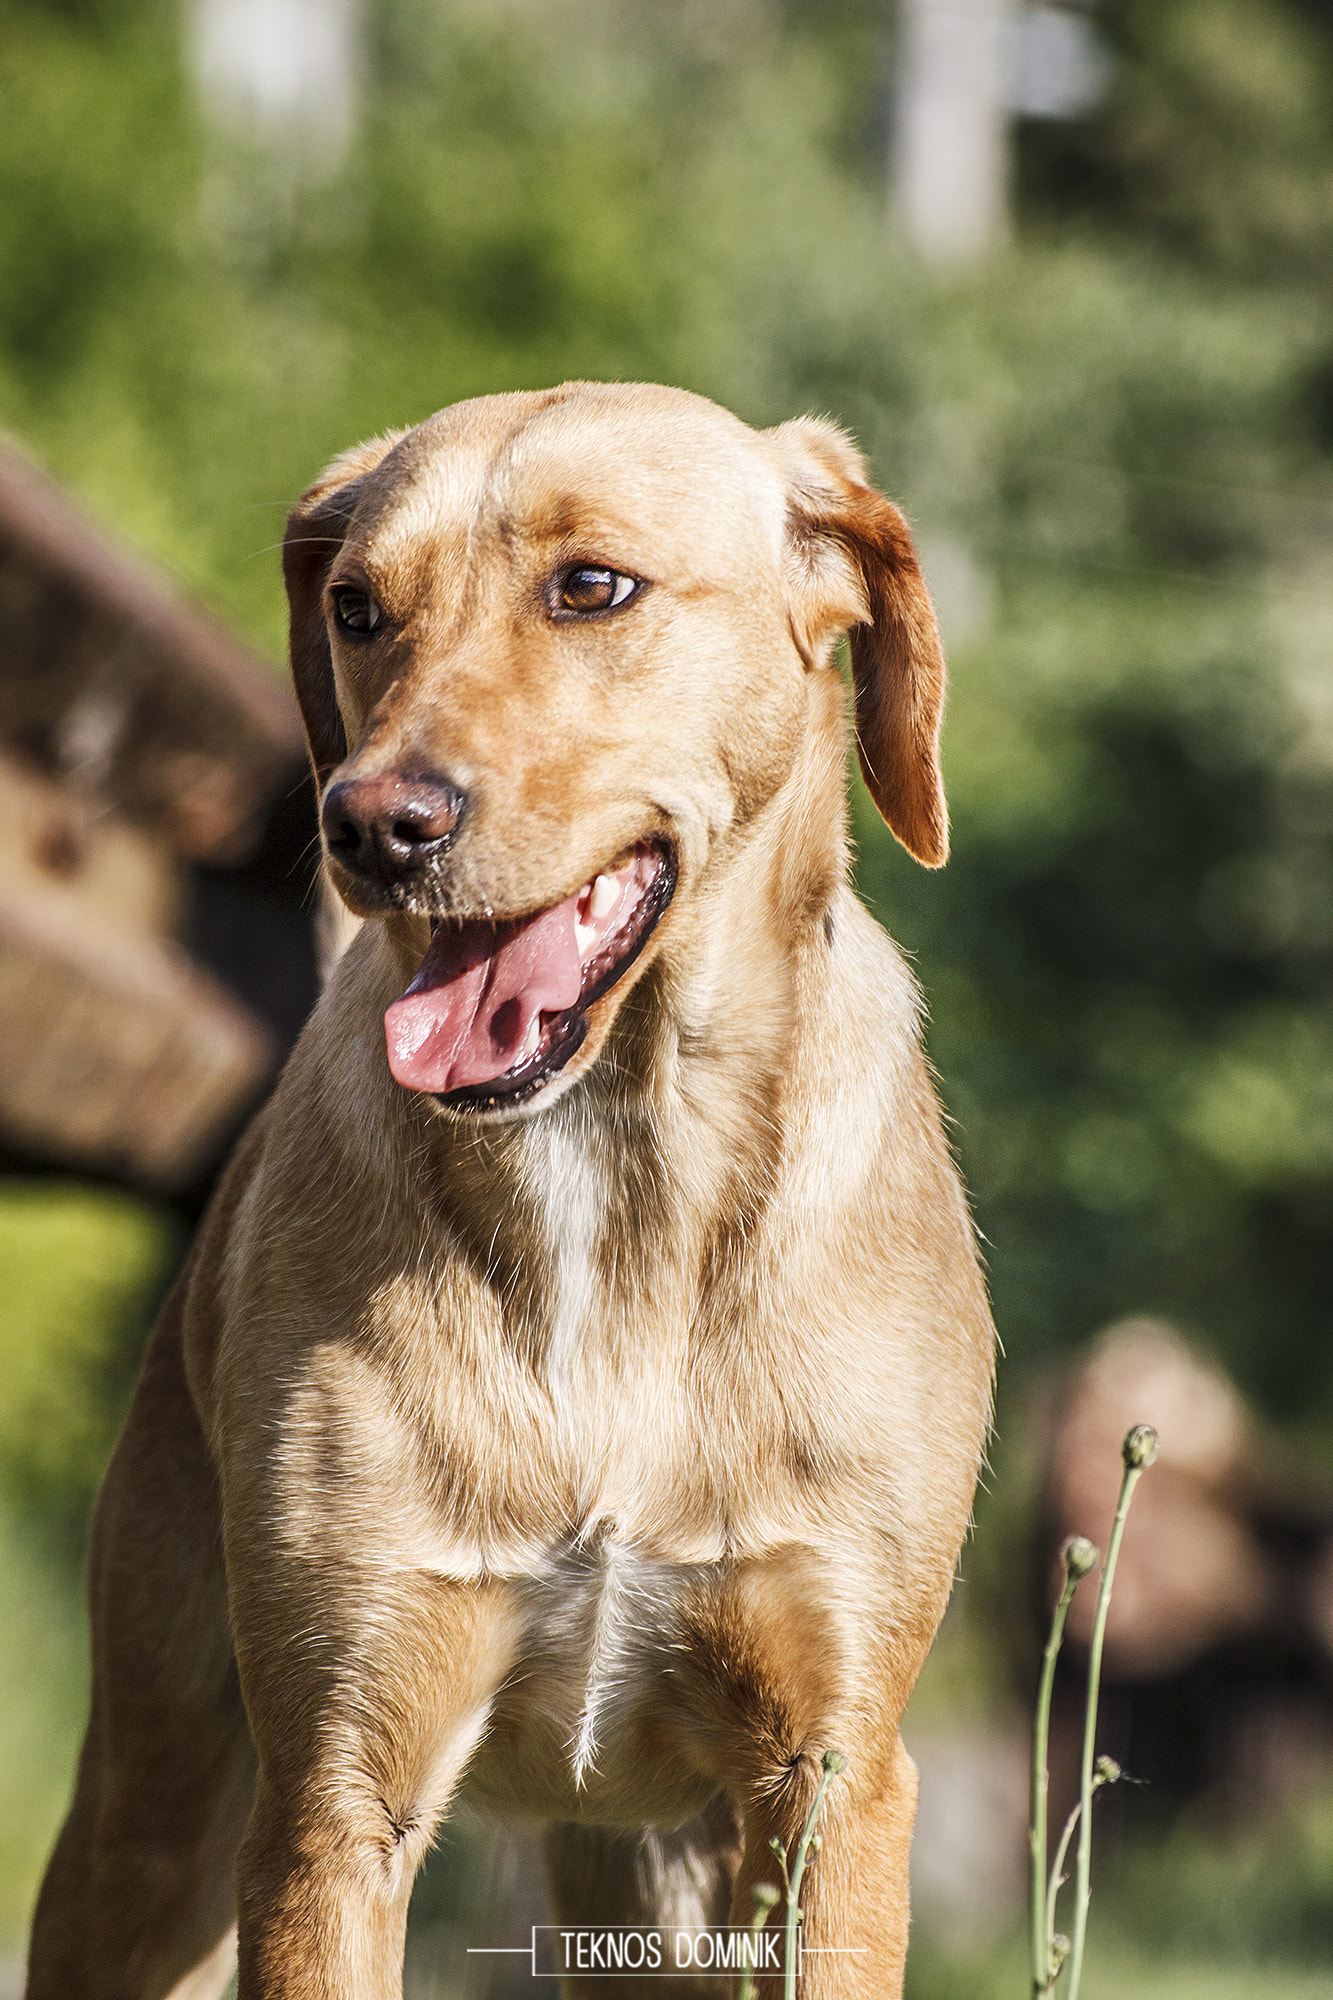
{"x": 585, "y": 937}
{"x": 605, "y": 896}
{"x": 534, "y": 1035}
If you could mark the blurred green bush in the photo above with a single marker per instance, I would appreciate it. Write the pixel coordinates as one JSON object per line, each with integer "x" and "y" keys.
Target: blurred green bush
{"x": 82, "y": 1269}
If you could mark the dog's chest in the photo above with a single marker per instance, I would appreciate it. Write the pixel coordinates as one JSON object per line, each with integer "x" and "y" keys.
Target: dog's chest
{"x": 581, "y": 1469}
{"x": 601, "y": 1628}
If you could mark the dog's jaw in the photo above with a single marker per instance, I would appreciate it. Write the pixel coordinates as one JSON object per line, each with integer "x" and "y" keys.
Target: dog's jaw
{"x": 497, "y": 1011}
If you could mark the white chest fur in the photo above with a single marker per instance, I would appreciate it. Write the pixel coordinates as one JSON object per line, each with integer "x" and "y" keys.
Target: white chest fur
{"x": 566, "y": 1171}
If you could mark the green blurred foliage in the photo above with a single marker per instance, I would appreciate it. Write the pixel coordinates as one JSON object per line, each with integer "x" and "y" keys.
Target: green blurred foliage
{"x": 1115, "y": 1969}
{"x": 1197, "y": 1915}
{"x": 1258, "y": 1892}
{"x": 82, "y": 1269}
{"x": 1215, "y": 141}
{"x": 43, "y": 1676}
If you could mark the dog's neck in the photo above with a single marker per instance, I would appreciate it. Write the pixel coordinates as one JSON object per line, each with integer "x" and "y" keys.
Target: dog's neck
{"x": 658, "y": 1163}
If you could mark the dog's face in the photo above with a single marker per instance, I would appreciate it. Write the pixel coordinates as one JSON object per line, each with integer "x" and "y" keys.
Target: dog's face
{"x": 554, "y": 652}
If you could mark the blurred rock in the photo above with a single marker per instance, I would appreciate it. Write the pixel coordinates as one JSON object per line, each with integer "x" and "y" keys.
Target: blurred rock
{"x": 1192, "y": 1571}
{"x": 1218, "y": 1664}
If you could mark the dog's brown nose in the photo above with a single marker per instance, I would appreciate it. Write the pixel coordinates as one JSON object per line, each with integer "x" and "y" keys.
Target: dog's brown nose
{"x": 385, "y": 826}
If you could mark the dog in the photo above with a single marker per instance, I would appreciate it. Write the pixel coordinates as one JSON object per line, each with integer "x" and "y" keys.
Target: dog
{"x": 574, "y": 1398}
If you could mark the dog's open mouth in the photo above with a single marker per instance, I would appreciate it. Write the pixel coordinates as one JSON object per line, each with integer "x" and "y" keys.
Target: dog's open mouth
{"x": 497, "y": 1008}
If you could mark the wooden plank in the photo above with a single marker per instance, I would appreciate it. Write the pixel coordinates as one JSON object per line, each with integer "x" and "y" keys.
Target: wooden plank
{"x": 57, "y": 843}
{"x": 110, "y": 677}
{"x": 67, "y": 543}
{"x": 116, "y": 1052}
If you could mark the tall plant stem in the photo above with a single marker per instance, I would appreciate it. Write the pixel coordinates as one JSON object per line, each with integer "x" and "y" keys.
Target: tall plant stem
{"x": 765, "y": 1895}
{"x": 1106, "y": 1772}
{"x": 1037, "y": 1918}
{"x": 1079, "y": 1556}
{"x": 1138, "y": 1451}
{"x": 834, "y": 1763}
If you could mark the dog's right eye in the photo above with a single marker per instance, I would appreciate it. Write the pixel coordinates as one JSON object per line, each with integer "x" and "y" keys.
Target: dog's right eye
{"x": 355, "y": 610}
{"x": 589, "y": 587}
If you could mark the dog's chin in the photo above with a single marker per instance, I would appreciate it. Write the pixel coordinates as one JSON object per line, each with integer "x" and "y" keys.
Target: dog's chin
{"x": 561, "y": 1040}
{"x": 563, "y": 1052}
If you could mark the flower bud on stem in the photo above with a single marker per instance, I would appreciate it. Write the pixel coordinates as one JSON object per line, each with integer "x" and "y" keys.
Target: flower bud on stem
{"x": 1079, "y": 1557}
{"x": 766, "y": 1895}
{"x": 1138, "y": 1452}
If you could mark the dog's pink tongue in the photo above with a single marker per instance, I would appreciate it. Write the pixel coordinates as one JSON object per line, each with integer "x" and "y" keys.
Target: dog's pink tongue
{"x": 466, "y": 1015}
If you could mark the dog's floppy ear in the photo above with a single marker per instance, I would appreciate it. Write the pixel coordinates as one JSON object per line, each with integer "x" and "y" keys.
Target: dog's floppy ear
{"x": 316, "y": 529}
{"x": 852, "y": 568}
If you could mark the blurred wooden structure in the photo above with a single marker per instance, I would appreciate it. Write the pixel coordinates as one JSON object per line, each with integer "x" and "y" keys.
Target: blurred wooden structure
{"x": 154, "y": 953}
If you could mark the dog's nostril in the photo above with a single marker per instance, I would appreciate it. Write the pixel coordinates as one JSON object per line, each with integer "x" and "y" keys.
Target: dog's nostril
{"x": 344, "y": 830}
{"x": 414, "y": 832}
{"x": 342, "y": 834}
{"x": 412, "y": 826}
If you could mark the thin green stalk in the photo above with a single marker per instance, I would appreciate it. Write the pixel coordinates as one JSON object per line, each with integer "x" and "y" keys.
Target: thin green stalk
{"x": 1138, "y": 1451}
{"x": 1079, "y": 1556}
{"x": 1057, "y": 1877}
{"x": 765, "y": 1895}
{"x": 834, "y": 1763}
{"x": 1106, "y": 1773}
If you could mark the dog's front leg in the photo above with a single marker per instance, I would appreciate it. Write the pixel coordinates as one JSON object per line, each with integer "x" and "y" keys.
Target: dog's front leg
{"x": 854, "y": 1898}
{"x": 364, "y": 1714}
{"x": 137, "y": 1901}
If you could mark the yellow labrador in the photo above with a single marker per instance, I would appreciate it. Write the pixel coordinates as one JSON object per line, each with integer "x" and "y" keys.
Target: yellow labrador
{"x": 574, "y": 1398}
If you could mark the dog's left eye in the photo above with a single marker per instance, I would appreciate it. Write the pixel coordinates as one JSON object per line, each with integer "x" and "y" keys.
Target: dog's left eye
{"x": 356, "y": 610}
{"x": 589, "y": 587}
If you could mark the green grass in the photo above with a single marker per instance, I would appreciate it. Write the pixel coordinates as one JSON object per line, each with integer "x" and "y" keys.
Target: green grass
{"x": 1114, "y": 1971}
{"x": 43, "y": 1675}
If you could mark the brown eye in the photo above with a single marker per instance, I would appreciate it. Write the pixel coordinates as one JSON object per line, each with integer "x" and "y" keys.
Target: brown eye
{"x": 589, "y": 587}
{"x": 355, "y": 610}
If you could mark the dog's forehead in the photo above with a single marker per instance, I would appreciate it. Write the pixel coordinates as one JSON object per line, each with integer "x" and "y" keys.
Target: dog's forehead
{"x": 649, "y": 475}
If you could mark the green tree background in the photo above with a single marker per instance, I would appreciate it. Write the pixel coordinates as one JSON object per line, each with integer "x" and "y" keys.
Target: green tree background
{"x": 1115, "y": 438}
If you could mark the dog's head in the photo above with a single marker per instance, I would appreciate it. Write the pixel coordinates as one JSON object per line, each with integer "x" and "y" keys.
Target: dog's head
{"x": 553, "y": 652}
